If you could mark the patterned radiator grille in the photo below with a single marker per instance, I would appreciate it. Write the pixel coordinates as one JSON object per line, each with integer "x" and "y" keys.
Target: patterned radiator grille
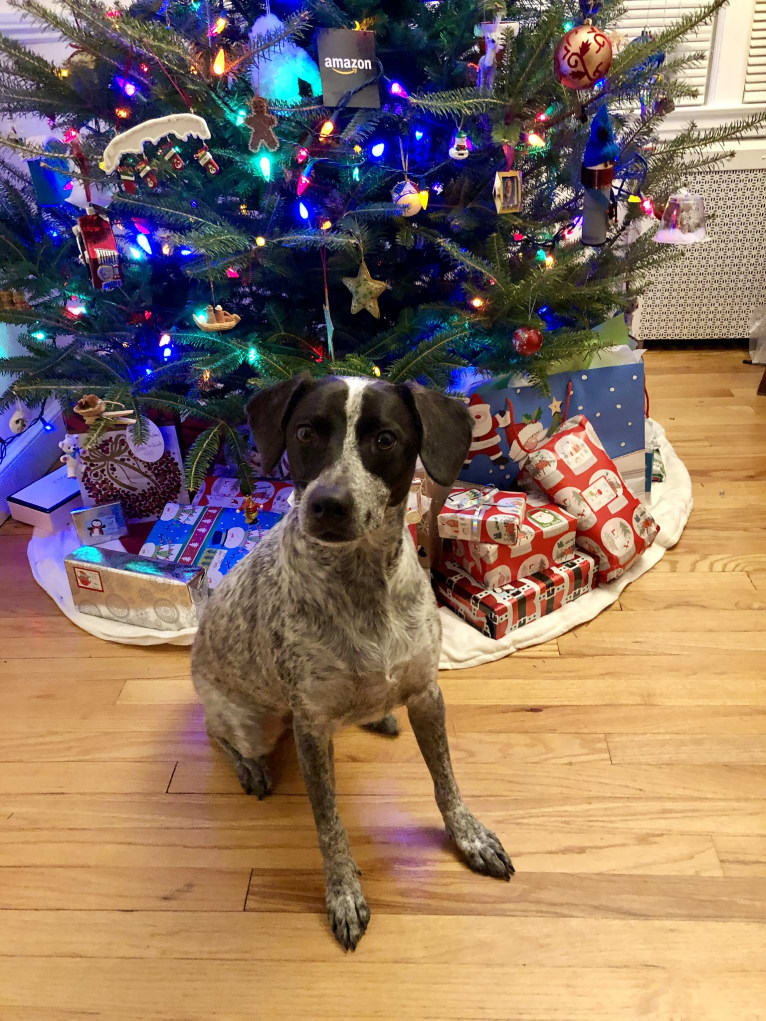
{"x": 711, "y": 293}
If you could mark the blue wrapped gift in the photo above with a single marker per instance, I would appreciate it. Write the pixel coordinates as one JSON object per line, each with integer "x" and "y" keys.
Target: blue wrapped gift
{"x": 215, "y": 538}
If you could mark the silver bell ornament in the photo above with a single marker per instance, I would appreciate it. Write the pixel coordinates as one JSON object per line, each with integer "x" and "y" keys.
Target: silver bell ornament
{"x": 683, "y": 220}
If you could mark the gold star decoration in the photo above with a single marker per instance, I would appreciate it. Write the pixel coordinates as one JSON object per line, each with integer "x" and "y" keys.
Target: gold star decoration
{"x": 261, "y": 123}
{"x": 555, "y": 406}
{"x": 365, "y": 291}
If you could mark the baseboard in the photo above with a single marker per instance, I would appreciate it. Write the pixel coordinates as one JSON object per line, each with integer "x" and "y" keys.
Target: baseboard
{"x": 28, "y": 457}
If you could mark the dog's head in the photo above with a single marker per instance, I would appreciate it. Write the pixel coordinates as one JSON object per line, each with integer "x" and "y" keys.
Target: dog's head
{"x": 353, "y": 443}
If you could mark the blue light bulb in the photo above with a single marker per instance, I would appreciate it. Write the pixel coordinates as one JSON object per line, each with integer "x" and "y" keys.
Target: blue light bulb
{"x": 378, "y": 149}
{"x": 418, "y": 135}
{"x": 135, "y": 253}
{"x": 143, "y": 242}
{"x": 303, "y": 211}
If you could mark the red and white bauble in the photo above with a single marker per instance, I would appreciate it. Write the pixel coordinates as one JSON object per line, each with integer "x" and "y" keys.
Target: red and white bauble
{"x": 527, "y": 340}
{"x": 583, "y": 57}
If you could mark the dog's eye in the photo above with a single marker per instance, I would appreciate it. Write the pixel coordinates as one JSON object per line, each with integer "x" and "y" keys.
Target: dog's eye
{"x": 304, "y": 433}
{"x": 385, "y": 440}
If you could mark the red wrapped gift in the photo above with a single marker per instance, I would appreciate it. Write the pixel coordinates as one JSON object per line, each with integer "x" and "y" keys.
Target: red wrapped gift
{"x": 482, "y": 514}
{"x": 573, "y": 468}
{"x": 496, "y": 612}
{"x": 223, "y": 491}
{"x": 547, "y": 537}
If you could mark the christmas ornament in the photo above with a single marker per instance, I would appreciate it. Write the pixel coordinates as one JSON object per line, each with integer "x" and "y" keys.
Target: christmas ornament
{"x": 486, "y": 437}
{"x": 180, "y": 125}
{"x": 407, "y": 199}
{"x": 459, "y": 149}
{"x": 348, "y": 67}
{"x": 527, "y": 340}
{"x": 507, "y": 191}
{"x": 13, "y": 300}
{"x": 216, "y": 320}
{"x": 204, "y": 157}
{"x": 146, "y": 174}
{"x": 250, "y": 507}
{"x": 365, "y": 291}
{"x": 169, "y": 152}
{"x": 494, "y": 34}
{"x": 596, "y": 176}
{"x": 98, "y": 249}
{"x": 683, "y": 220}
{"x": 49, "y": 175}
{"x": 583, "y": 57}
{"x": 18, "y": 423}
{"x": 127, "y": 175}
{"x": 261, "y": 123}
{"x": 70, "y": 455}
{"x": 277, "y": 73}
{"x": 91, "y": 408}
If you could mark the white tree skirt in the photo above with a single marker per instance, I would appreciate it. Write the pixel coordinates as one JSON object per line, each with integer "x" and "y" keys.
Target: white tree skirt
{"x": 462, "y": 645}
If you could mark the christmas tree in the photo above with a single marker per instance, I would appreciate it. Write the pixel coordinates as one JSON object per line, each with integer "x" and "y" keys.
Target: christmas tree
{"x": 230, "y": 193}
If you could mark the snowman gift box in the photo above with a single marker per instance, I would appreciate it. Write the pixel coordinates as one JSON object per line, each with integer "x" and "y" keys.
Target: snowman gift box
{"x": 214, "y": 538}
{"x": 546, "y": 538}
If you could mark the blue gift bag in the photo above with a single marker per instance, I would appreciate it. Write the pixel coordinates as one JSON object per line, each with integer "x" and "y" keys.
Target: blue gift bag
{"x": 510, "y": 420}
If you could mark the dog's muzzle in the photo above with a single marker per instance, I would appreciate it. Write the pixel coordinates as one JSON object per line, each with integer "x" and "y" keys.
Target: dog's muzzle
{"x": 330, "y": 514}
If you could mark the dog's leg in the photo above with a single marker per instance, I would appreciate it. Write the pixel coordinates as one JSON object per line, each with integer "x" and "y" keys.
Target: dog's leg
{"x": 253, "y": 774}
{"x": 346, "y": 906}
{"x": 480, "y": 848}
{"x": 248, "y": 738}
{"x": 387, "y": 726}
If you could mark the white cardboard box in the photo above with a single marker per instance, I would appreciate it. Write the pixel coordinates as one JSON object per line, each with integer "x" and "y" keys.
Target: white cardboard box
{"x": 46, "y": 503}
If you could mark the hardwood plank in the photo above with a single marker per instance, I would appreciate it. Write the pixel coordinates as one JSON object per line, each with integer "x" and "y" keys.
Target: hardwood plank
{"x": 566, "y": 895}
{"x": 126, "y": 889}
{"x": 224, "y": 811}
{"x": 709, "y": 562}
{"x": 687, "y": 749}
{"x": 85, "y": 777}
{"x": 575, "y": 719}
{"x": 758, "y": 581}
{"x": 376, "y": 849}
{"x": 742, "y": 856}
{"x": 392, "y": 939}
{"x": 198, "y": 991}
{"x": 411, "y": 779}
{"x": 698, "y": 591}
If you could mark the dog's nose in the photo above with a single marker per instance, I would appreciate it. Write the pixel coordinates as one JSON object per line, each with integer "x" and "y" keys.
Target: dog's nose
{"x": 330, "y": 507}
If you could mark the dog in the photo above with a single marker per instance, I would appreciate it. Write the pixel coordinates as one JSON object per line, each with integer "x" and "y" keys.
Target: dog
{"x": 331, "y": 620}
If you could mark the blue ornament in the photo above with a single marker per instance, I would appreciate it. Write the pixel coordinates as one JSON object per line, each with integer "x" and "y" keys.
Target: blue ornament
{"x": 601, "y": 147}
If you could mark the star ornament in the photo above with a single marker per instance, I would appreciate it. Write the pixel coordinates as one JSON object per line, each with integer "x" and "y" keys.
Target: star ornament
{"x": 261, "y": 123}
{"x": 365, "y": 291}
{"x": 555, "y": 406}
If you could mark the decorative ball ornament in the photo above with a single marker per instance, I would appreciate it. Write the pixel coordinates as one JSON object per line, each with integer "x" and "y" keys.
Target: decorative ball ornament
{"x": 527, "y": 340}
{"x": 407, "y": 199}
{"x": 583, "y": 57}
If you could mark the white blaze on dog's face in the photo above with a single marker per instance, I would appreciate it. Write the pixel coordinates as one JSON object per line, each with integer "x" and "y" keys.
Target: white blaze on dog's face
{"x": 352, "y": 445}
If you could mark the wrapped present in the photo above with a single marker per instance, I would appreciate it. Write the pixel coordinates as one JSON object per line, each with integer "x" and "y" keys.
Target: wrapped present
{"x": 142, "y": 477}
{"x": 482, "y": 514}
{"x": 575, "y": 470}
{"x": 97, "y": 525}
{"x": 495, "y": 612}
{"x": 134, "y": 590}
{"x": 224, "y": 491}
{"x": 215, "y": 538}
{"x": 546, "y": 537}
{"x": 46, "y": 504}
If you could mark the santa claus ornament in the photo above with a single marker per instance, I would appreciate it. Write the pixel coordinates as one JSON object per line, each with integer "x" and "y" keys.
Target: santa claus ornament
{"x": 527, "y": 340}
{"x": 583, "y": 57}
{"x": 486, "y": 438}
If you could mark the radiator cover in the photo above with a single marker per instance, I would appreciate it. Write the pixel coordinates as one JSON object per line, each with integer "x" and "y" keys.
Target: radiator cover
{"x": 712, "y": 291}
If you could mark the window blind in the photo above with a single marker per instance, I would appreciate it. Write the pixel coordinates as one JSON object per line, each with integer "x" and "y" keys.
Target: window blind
{"x": 655, "y": 16}
{"x": 755, "y": 75}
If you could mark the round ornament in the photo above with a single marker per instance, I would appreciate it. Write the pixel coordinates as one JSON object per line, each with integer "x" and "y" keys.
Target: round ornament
{"x": 407, "y": 198}
{"x": 527, "y": 340}
{"x": 583, "y": 57}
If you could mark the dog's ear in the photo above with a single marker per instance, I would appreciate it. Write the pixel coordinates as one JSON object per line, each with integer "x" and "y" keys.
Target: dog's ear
{"x": 268, "y": 412}
{"x": 446, "y": 429}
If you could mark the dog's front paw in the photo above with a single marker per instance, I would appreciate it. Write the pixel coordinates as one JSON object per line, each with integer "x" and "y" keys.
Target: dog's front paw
{"x": 480, "y": 848}
{"x": 254, "y": 776}
{"x": 347, "y": 909}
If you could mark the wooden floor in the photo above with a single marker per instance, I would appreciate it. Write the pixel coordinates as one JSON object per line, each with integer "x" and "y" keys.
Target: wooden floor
{"x": 624, "y": 766}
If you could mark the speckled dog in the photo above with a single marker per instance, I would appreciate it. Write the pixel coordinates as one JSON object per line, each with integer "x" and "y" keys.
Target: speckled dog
{"x": 331, "y": 619}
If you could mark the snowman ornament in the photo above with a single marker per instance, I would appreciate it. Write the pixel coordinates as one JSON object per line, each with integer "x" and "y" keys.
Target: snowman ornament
{"x": 18, "y": 422}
